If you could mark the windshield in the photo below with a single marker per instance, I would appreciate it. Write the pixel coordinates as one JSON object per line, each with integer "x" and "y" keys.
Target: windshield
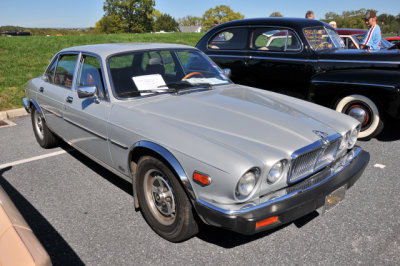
{"x": 162, "y": 71}
{"x": 321, "y": 38}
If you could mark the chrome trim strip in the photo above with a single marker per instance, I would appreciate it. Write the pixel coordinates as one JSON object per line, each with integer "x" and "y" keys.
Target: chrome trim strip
{"x": 52, "y": 112}
{"x": 266, "y": 58}
{"x": 118, "y": 144}
{"x": 86, "y": 129}
{"x": 172, "y": 161}
{"x": 36, "y": 106}
{"x": 358, "y": 61}
{"x": 354, "y": 83}
{"x": 292, "y": 194}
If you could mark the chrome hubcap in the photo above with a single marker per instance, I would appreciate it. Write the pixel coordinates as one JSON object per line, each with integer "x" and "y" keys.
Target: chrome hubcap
{"x": 39, "y": 124}
{"x": 160, "y": 197}
{"x": 359, "y": 114}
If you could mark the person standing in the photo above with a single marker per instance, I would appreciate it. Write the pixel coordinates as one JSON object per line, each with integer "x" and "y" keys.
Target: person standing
{"x": 373, "y": 37}
{"x": 333, "y": 24}
{"x": 310, "y": 14}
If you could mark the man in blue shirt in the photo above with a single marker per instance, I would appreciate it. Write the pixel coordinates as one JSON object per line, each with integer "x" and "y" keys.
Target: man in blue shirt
{"x": 372, "y": 39}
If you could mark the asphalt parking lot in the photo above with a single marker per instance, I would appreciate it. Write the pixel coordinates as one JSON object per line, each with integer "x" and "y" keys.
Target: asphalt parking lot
{"x": 83, "y": 214}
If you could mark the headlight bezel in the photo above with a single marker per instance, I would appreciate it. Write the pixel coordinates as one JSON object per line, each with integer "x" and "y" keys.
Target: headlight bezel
{"x": 283, "y": 166}
{"x": 254, "y": 173}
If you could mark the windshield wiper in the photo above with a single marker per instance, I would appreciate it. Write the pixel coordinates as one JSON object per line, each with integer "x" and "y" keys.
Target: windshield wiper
{"x": 184, "y": 86}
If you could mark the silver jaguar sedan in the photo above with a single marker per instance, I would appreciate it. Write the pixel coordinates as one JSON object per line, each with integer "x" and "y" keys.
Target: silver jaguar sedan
{"x": 196, "y": 147}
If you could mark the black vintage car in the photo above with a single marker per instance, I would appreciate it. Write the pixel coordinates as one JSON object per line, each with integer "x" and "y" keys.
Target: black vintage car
{"x": 306, "y": 58}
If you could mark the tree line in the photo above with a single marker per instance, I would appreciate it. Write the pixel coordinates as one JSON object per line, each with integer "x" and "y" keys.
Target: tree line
{"x": 139, "y": 16}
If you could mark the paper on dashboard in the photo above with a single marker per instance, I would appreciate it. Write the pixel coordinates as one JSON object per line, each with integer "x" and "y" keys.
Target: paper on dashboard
{"x": 149, "y": 82}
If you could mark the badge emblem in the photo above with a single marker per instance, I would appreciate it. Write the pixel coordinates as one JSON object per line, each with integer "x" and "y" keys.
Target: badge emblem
{"x": 322, "y": 135}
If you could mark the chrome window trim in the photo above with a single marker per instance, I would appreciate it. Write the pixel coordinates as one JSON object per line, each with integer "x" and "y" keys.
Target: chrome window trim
{"x": 355, "y": 83}
{"x": 287, "y": 196}
{"x": 267, "y": 58}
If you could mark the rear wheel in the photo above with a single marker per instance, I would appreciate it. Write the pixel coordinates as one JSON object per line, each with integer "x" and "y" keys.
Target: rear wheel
{"x": 163, "y": 202}
{"x": 44, "y": 136}
{"x": 365, "y": 111}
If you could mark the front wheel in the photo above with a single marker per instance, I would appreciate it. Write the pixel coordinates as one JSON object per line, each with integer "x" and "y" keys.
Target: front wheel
{"x": 365, "y": 111}
{"x": 163, "y": 202}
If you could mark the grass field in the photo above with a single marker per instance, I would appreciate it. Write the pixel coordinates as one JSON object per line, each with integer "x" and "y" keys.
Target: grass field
{"x": 23, "y": 58}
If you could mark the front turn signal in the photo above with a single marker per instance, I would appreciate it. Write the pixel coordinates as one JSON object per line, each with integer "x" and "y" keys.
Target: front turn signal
{"x": 201, "y": 179}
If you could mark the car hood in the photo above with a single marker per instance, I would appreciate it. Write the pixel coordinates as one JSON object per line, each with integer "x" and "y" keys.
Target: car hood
{"x": 231, "y": 119}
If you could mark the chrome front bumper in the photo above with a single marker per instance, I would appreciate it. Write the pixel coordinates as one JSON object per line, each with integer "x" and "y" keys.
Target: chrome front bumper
{"x": 290, "y": 203}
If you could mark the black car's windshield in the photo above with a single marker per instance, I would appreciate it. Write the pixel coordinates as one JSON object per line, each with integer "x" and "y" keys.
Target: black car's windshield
{"x": 162, "y": 71}
{"x": 321, "y": 38}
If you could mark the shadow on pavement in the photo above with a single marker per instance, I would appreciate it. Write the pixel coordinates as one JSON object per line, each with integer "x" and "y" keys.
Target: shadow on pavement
{"x": 58, "y": 249}
{"x": 228, "y": 239}
{"x": 391, "y": 130}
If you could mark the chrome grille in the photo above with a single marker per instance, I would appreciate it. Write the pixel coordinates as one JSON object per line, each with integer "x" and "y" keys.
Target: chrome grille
{"x": 313, "y": 158}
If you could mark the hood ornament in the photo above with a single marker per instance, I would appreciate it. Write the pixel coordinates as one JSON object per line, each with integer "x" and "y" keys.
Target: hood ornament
{"x": 322, "y": 135}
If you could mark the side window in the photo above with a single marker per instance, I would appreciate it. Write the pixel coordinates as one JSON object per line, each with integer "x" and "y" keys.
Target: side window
{"x": 273, "y": 39}
{"x": 65, "y": 70}
{"x": 90, "y": 74}
{"x": 230, "y": 39}
{"x": 50, "y": 71}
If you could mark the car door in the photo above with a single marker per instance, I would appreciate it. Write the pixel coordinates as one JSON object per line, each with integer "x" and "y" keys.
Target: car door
{"x": 87, "y": 117}
{"x": 279, "y": 62}
{"x": 53, "y": 90}
{"x": 228, "y": 48}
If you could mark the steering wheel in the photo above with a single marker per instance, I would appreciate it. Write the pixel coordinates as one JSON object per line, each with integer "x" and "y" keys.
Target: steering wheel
{"x": 323, "y": 45}
{"x": 193, "y": 74}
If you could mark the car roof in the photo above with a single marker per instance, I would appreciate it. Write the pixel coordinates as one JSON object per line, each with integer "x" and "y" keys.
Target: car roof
{"x": 351, "y": 31}
{"x": 107, "y": 49}
{"x": 288, "y": 22}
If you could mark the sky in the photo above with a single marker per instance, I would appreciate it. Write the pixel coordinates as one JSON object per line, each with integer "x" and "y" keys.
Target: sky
{"x": 85, "y": 13}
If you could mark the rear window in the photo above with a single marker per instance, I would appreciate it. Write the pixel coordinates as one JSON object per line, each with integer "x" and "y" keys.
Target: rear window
{"x": 229, "y": 39}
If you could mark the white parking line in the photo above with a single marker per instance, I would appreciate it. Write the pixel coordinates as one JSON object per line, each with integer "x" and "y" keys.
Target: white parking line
{"x": 35, "y": 158}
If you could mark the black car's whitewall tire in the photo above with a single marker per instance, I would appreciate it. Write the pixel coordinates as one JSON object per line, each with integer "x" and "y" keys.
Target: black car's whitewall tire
{"x": 364, "y": 110}
{"x": 163, "y": 202}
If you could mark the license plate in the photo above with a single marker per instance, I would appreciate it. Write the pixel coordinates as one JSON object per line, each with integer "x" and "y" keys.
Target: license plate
{"x": 333, "y": 199}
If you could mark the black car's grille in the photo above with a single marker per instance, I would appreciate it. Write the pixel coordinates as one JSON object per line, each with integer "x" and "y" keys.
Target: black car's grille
{"x": 310, "y": 161}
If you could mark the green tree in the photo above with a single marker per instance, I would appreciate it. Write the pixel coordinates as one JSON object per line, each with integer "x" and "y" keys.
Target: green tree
{"x": 190, "y": 21}
{"x": 166, "y": 23}
{"x": 130, "y": 16}
{"x": 219, "y": 14}
{"x": 276, "y": 15}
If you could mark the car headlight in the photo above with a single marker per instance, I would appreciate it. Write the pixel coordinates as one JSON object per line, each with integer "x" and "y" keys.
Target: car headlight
{"x": 277, "y": 171}
{"x": 247, "y": 183}
{"x": 353, "y": 137}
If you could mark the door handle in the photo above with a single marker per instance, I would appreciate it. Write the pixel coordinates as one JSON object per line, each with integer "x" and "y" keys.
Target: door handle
{"x": 41, "y": 89}
{"x": 69, "y": 99}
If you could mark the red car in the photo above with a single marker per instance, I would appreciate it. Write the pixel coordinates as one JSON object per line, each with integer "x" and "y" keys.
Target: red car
{"x": 393, "y": 40}
{"x": 352, "y": 38}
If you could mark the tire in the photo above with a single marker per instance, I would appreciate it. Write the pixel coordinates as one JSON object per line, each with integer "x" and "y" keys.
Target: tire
{"x": 163, "y": 202}
{"x": 44, "y": 136}
{"x": 364, "y": 110}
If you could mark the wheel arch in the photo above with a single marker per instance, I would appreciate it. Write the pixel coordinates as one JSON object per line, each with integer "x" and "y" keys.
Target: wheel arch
{"x": 32, "y": 102}
{"x": 143, "y": 148}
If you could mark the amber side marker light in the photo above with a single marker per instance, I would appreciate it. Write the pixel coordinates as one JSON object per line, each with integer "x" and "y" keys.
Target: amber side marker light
{"x": 202, "y": 179}
{"x": 267, "y": 221}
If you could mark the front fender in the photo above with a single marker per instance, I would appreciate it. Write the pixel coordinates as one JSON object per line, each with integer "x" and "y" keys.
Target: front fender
{"x": 382, "y": 86}
{"x": 172, "y": 161}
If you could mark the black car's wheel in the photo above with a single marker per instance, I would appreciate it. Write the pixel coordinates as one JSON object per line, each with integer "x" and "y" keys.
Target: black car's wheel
{"x": 44, "y": 136}
{"x": 163, "y": 202}
{"x": 364, "y": 110}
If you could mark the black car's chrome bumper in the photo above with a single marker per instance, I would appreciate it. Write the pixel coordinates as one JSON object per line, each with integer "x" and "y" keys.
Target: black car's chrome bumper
{"x": 300, "y": 199}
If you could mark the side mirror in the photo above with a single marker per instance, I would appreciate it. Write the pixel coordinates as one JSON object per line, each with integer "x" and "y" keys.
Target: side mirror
{"x": 227, "y": 72}
{"x": 87, "y": 91}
